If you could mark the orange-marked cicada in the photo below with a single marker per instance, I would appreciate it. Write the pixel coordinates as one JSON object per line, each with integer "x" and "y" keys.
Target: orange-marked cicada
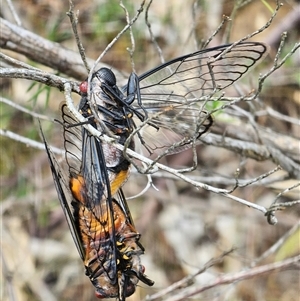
{"x": 97, "y": 212}
{"x": 165, "y": 110}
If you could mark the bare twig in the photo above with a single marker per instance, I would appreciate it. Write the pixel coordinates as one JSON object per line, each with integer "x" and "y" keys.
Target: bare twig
{"x": 43, "y": 77}
{"x": 74, "y": 22}
{"x": 188, "y": 280}
{"x": 277, "y": 64}
{"x": 277, "y": 245}
{"x": 28, "y": 142}
{"x": 153, "y": 40}
{"x": 240, "y": 276}
{"x": 132, "y": 49}
{"x": 40, "y": 50}
{"x": 20, "y": 108}
{"x": 14, "y": 13}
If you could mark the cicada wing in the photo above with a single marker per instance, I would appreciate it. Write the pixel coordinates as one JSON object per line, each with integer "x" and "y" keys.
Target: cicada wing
{"x": 87, "y": 166}
{"x": 72, "y": 140}
{"x": 174, "y": 94}
{"x": 65, "y": 196}
{"x": 173, "y": 129}
{"x": 121, "y": 200}
{"x": 190, "y": 77}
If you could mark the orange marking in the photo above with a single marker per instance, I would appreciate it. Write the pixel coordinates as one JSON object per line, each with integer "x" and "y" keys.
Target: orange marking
{"x": 121, "y": 177}
{"x": 76, "y": 186}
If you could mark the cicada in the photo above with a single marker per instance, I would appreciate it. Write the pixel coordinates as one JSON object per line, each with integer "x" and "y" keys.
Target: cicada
{"x": 165, "y": 107}
{"x": 97, "y": 212}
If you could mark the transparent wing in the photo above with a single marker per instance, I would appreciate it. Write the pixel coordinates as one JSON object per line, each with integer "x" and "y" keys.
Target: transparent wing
{"x": 172, "y": 129}
{"x": 188, "y": 78}
{"x": 173, "y": 94}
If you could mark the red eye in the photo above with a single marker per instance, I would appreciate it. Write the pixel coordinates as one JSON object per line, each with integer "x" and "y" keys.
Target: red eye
{"x": 83, "y": 87}
{"x": 99, "y": 296}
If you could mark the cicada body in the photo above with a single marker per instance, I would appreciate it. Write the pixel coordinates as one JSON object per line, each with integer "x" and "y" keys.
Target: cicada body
{"x": 97, "y": 212}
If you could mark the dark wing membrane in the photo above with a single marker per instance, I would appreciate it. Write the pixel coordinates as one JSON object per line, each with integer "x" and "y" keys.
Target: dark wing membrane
{"x": 85, "y": 158}
{"x": 65, "y": 197}
{"x": 173, "y": 94}
{"x": 94, "y": 172}
{"x": 121, "y": 200}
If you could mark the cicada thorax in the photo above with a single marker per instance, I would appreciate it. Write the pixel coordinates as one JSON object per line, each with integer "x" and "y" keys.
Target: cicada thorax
{"x": 111, "y": 118}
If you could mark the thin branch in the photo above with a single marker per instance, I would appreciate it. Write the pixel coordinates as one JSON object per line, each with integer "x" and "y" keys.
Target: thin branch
{"x": 116, "y": 38}
{"x": 221, "y": 25}
{"x": 14, "y": 13}
{"x": 20, "y": 108}
{"x": 277, "y": 244}
{"x": 16, "y": 63}
{"x": 43, "y": 51}
{"x": 28, "y": 142}
{"x": 186, "y": 281}
{"x": 153, "y": 40}
{"x": 277, "y": 65}
{"x": 271, "y": 112}
{"x": 240, "y": 276}
{"x": 74, "y": 22}
{"x": 132, "y": 49}
{"x": 40, "y": 76}
{"x": 247, "y": 37}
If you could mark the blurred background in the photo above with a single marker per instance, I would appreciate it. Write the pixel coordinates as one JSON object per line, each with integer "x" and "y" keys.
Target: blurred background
{"x": 182, "y": 227}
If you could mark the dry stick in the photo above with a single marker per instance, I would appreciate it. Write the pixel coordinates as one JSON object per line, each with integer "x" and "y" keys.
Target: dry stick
{"x": 43, "y": 51}
{"x": 259, "y": 178}
{"x": 17, "y": 63}
{"x": 276, "y": 245}
{"x": 269, "y": 22}
{"x": 221, "y": 25}
{"x": 230, "y": 278}
{"x": 14, "y": 13}
{"x": 222, "y": 180}
{"x": 277, "y": 65}
{"x": 281, "y": 206}
{"x": 28, "y": 142}
{"x": 153, "y": 40}
{"x": 273, "y": 113}
{"x": 132, "y": 49}
{"x": 43, "y": 77}
{"x": 186, "y": 281}
{"x": 116, "y": 38}
{"x": 289, "y": 22}
{"x": 74, "y": 22}
{"x": 22, "y": 109}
